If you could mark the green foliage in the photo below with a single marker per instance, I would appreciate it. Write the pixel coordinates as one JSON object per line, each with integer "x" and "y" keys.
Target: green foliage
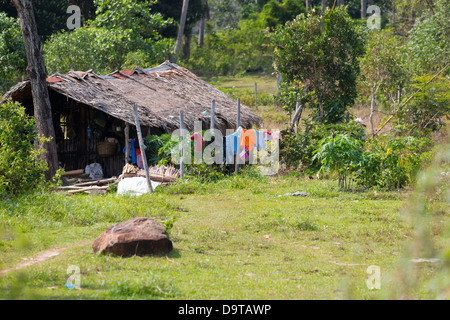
{"x": 383, "y": 72}
{"x": 321, "y": 52}
{"x": 158, "y": 149}
{"x": 387, "y": 162}
{"x": 124, "y": 33}
{"x": 429, "y": 105}
{"x": 131, "y": 15}
{"x": 233, "y": 51}
{"x": 21, "y": 167}
{"x": 340, "y": 153}
{"x": 275, "y": 13}
{"x": 206, "y": 173}
{"x": 298, "y": 150}
{"x": 13, "y": 59}
{"x": 392, "y": 162}
{"x": 244, "y": 45}
{"x": 428, "y": 44}
{"x": 291, "y": 93}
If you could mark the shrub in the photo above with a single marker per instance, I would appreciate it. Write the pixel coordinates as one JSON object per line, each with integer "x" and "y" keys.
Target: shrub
{"x": 392, "y": 162}
{"x": 21, "y": 167}
{"x": 297, "y": 150}
{"x": 340, "y": 153}
{"x": 158, "y": 149}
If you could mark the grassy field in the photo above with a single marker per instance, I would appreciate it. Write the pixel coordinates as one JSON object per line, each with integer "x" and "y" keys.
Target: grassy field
{"x": 243, "y": 237}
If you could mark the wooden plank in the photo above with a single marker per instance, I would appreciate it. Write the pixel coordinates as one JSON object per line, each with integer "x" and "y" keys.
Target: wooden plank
{"x": 213, "y": 114}
{"x": 142, "y": 146}
{"x": 87, "y": 189}
{"x": 182, "y": 144}
{"x": 127, "y": 142}
{"x": 238, "y": 124}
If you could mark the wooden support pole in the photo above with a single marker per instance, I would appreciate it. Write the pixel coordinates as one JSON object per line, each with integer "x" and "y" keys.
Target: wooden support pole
{"x": 213, "y": 114}
{"x": 238, "y": 124}
{"x": 127, "y": 142}
{"x": 256, "y": 94}
{"x": 142, "y": 146}
{"x": 182, "y": 144}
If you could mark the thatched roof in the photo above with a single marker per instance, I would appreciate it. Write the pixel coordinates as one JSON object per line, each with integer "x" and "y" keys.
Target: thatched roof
{"x": 160, "y": 94}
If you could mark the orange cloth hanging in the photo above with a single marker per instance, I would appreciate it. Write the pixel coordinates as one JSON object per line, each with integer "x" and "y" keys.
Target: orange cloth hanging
{"x": 248, "y": 139}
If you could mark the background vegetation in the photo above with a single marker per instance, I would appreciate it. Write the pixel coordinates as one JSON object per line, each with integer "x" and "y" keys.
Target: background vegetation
{"x": 369, "y": 199}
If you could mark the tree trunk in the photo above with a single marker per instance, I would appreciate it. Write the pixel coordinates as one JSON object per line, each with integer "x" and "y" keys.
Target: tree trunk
{"x": 201, "y": 35}
{"x": 372, "y": 111}
{"x": 307, "y": 5}
{"x": 187, "y": 46}
{"x": 180, "y": 30}
{"x": 375, "y": 89}
{"x": 324, "y": 5}
{"x": 363, "y": 9}
{"x": 38, "y": 78}
{"x": 322, "y": 8}
{"x": 321, "y": 111}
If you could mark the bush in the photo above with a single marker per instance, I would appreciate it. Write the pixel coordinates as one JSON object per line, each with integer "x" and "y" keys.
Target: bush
{"x": 392, "y": 162}
{"x": 340, "y": 153}
{"x": 297, "y": 150}
{"x": 158, "y": 149}
{"x": 21, "y": 167}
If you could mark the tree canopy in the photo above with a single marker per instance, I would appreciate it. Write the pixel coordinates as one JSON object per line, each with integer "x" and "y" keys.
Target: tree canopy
{"x": 321, "y": 53}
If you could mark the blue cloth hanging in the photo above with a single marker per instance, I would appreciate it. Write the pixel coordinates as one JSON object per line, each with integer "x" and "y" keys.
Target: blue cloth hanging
{"x": 133, "y": 153}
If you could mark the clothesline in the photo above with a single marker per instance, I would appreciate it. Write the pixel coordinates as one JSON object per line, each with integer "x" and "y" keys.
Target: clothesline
{"x": 242, "y": 139}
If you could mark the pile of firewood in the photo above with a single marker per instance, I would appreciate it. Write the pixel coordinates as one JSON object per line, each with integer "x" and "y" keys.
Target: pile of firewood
{"x": 162, "y": 174}
{"x": 100, "y": 186}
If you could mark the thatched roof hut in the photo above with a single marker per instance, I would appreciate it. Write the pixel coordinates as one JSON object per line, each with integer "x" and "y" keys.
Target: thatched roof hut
{"x": 90, "y": 109}
{"x": 160, "y": 94}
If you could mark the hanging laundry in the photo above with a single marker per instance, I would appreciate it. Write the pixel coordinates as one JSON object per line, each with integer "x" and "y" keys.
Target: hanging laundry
{"x": 276, "y": 135}
{"x": 231, "y": 145}
{"x": 248, "y": 139}
{"x": 244, "y": 153}
{"x": 260, "y": 140}
{"x": 139, "y": 160}
{"x": 132, "y": 152}
{"x": 199, "y": 141}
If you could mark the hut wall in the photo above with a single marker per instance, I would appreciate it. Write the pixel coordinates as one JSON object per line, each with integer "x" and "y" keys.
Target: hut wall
{"x": 79, "y": 128}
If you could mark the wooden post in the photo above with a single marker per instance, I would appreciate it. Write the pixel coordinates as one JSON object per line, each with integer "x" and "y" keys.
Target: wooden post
{"x": 238, "y": 124}
{"x": 127, "y": 142}
{"x": 256, "y": 94}
{"x": 142, "y": 146}
{"x": 182, "y": 144}
{"x": 213, "y": 114}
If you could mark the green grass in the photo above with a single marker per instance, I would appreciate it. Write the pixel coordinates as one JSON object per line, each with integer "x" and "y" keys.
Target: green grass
{"x": 266, "y": 84}
{"x": 238, "y": 238}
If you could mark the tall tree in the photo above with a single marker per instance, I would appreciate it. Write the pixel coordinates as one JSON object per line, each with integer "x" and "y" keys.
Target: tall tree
{"x": 205, "y": 16}
{"x": 180, "y": 30}
{"x": 38, "y": 77}
{"x": 323, "y": 6}
{"x": 322, "y": 60}
{"x": 363, "y": 9}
